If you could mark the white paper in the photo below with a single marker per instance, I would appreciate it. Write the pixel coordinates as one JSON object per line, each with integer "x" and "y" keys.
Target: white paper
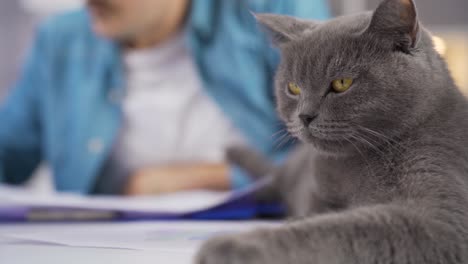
{"x": 182, "y": 237}
{"x": 176, "y": 203}
{"x": 172, "y": 203}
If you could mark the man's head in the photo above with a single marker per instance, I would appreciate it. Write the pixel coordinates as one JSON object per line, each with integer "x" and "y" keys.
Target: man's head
{"x": 126, "y": 20}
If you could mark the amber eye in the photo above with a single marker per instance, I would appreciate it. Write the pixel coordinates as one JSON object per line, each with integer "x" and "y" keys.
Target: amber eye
{"x": 294, "y": 89}
{"x": 342, "y": 85}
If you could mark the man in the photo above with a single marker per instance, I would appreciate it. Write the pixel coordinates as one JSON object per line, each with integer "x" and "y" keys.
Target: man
{"x": 142, "y": 97}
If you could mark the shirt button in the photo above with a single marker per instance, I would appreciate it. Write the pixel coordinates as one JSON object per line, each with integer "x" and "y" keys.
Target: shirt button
{"x": 95, "y": 146}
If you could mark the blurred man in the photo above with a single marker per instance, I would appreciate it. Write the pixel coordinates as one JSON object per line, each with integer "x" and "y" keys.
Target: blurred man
{"x": 143, "y": 97}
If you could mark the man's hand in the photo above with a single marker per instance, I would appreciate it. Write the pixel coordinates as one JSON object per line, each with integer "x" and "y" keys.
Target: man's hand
{"x": 160, "y": 180}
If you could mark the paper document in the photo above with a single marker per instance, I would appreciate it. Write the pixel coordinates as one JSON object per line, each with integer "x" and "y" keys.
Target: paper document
{"x": 16, "y": 202}
{"x": 183, "y": 237}
{"x": 171, "y": 203}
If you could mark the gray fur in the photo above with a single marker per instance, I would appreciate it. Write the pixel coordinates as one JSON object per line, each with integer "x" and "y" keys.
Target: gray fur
{"x": 382, "y": 176}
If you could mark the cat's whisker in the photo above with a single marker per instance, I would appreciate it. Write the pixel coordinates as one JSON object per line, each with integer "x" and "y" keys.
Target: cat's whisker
{"x": 294, "y": 140}
{"x": 397, "y": 146}
{"x": 381, "y": 153}
{"x": 370, "y": 144}
{"x": 280, "y": 138}
{"x": 285, "y": 137}
{"x": 279, "y": 132}
{"x": 376, "y": 133}
{"x": 283, "y": 142}
{"x": 369, "y": 167}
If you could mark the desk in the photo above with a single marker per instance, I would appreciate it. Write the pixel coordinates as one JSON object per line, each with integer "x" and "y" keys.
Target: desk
{"x": 116, "y": 243}
{"x": 31, "y": 254}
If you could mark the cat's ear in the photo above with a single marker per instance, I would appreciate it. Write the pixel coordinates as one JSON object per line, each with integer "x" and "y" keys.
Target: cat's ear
{"x": 396, "y": 21}
{"x": 281, "y": 28}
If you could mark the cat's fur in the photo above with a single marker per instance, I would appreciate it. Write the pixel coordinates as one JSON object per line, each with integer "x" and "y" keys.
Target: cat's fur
{"x": 383, "y": 174}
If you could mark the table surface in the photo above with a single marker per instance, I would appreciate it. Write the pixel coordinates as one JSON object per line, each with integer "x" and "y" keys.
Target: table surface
{"x": 40, "y": 254}
{"x": 18, "y": 251}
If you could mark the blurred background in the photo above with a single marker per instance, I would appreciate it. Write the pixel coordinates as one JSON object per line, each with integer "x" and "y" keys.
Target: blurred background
{"x": 446, "y": 19}
{"x": 18, "y": 19}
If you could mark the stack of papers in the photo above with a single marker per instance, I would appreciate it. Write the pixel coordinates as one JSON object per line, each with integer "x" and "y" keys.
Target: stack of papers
{"x": 17, "y": 204}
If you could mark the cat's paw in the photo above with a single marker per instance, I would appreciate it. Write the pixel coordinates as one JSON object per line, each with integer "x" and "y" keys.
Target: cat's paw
{"x": 231, "y": 250}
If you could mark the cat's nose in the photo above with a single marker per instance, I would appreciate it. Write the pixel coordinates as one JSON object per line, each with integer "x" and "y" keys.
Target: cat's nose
{"x": 307, "y": 119}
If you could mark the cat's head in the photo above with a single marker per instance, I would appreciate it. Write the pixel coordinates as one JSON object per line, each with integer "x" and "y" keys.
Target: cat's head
{"x": 356, "y": 81}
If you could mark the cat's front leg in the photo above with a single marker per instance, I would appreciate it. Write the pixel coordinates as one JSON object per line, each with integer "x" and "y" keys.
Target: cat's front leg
{"x": 283, "y": 245}
{"x": 379, "y": 234}
{"x": 249, "y": 248}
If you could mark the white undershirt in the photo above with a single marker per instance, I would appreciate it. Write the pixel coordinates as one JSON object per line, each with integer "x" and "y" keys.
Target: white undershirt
{"x": 168, "y": 116}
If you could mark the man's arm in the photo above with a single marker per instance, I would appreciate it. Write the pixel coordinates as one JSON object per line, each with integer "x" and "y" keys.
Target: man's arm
{"x": 19, "y": 120}
{"x": 180, "y": 177}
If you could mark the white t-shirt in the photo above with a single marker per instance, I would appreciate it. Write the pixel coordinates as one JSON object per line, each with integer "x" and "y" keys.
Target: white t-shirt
{"x": 168, "y": 116}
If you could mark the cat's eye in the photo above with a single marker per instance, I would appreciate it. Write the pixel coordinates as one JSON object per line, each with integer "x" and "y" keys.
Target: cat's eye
{"x": 294, "y": 89}
{"x": 342, "y": 85}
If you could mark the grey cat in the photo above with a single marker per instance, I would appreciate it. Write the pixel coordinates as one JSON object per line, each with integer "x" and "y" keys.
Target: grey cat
{"x": 383, "y": 174}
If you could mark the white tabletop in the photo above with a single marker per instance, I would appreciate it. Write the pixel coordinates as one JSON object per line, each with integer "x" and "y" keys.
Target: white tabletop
{"x": 128, "y": 242}
{"x": 40, "y": 254}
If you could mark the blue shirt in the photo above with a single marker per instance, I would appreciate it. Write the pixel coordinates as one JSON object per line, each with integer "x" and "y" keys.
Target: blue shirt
{"x": 65, "y": 107}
